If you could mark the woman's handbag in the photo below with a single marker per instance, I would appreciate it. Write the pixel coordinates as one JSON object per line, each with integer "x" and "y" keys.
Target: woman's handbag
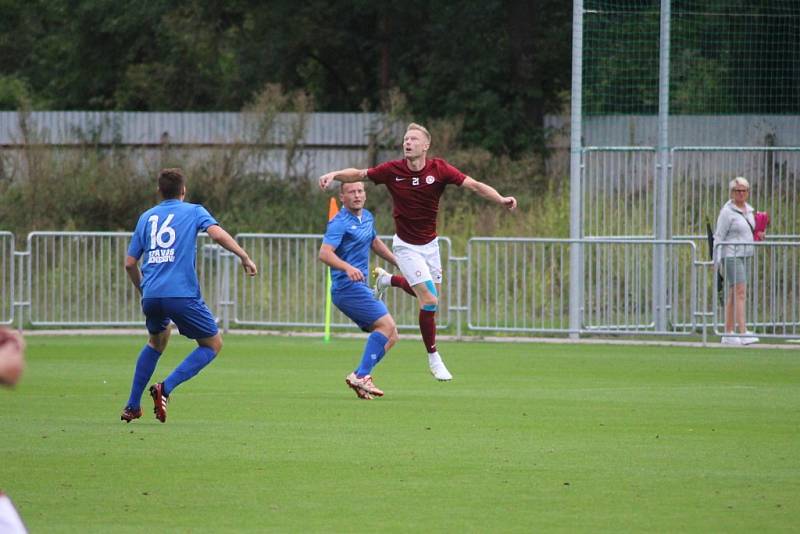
{"x": 762, "y": 221}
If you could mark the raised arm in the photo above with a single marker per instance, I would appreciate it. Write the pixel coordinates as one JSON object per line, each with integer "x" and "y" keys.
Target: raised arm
{"x": 489, "y": 193}
{"x": 344, "y": 176}
{"x": 226, "y": 241}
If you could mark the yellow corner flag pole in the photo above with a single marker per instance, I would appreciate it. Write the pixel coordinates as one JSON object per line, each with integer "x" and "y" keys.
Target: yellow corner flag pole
{"x": 333, "y": 209}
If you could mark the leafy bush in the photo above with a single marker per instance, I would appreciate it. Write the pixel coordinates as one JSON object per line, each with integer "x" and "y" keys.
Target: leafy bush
{"x": 100, "y": 188}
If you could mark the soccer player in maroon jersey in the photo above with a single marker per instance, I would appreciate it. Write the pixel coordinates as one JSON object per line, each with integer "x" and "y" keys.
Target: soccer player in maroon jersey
{"x": 416, "y": 182}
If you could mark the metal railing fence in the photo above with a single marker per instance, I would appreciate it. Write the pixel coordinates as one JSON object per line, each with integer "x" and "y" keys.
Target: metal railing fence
{"x": 7, "y": 282}
{"x": 618, "y": 185}
{"x": 772, "y": 289}
{"x": 290, "y": 290}
{"x": 517, "y": 285}
{"x": 79, "y": 279}
{"x": 522, "y": 285}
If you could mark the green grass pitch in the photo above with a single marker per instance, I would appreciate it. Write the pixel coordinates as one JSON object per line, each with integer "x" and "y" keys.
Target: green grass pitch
{"x": 526, "y": 438}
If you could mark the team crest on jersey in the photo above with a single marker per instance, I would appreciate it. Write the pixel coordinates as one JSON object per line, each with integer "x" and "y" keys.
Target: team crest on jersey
{"x": 429, "y": 179}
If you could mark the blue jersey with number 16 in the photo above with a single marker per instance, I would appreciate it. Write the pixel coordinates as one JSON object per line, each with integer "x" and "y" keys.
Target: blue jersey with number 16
{"x": 166, "y": 240}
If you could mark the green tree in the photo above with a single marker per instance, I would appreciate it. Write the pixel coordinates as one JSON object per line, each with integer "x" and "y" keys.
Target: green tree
{"x": 500, "y": 65}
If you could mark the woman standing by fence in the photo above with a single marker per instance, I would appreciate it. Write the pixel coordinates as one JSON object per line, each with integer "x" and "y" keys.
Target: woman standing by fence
{"x": 735, "y": 224}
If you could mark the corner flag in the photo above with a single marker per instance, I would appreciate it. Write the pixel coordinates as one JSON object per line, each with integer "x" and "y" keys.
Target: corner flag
{"x": 333, "y": 209}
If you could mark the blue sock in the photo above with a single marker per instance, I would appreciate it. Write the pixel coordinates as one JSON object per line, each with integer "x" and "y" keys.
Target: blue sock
{"x": 373, "y": 353}
{"x": 145, "y": 366}
{"x": 193, "y": 364}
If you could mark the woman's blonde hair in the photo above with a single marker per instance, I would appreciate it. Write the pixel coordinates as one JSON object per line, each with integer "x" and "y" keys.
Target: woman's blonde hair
{"x": 739, "y": 180}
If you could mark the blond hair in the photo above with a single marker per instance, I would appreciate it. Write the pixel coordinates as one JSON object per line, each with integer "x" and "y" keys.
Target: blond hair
{"x": 739, "y": 180}
{"x": 421, "y": 128}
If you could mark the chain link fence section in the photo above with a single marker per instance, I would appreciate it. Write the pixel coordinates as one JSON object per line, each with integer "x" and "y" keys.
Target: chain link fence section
{"x": 699, "y": 187}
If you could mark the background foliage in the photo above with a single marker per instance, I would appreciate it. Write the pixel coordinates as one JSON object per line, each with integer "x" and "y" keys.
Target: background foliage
{"x": 215, "y": 55}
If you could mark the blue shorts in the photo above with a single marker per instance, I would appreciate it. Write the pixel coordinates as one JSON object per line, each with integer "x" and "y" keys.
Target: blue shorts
{"x": 358, "y": 302}
{"x": 192, "y": 316}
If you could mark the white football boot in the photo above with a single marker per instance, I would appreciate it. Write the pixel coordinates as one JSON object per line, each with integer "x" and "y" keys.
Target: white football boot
{"x": 381, "y": 281}
{"x": 438, "y": 369}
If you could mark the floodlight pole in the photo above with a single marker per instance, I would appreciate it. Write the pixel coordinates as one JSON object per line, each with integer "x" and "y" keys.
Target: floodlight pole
{"x": 661, "y": 223}
{"x": 575, "y": 171}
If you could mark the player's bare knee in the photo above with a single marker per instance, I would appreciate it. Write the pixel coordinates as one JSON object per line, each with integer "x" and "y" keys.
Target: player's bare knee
{"x": 214, "y": 343}
{"x": 159, "y": 341}
{"x": 429, "y": 302}
{"x": 386, "y": 326}
{"x": 392, "y": 338}
{"x": 429, "y": 298}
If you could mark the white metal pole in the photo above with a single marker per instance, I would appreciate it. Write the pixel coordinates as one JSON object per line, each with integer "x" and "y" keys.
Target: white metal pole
{"x": 662, "y": 173}
{"x": 575, "y": 171}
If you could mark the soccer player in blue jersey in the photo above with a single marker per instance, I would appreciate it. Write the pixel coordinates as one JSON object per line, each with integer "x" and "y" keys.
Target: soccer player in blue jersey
{"x": 345, "y": 248}
{"x": 166, "y": 235}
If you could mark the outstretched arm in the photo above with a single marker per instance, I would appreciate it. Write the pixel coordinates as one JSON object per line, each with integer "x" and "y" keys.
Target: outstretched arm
{"x": 489, "y": 193}
{"x": 328, "y": 256}
{"x": 226, "y": 241}
{"x": 344, "y": 176}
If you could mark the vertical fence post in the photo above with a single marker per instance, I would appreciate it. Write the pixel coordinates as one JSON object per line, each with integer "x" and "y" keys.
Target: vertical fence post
{"x": 456, "y": 305}
{"x": 662, "y": 174}
{"x": 575, "y": 171}
{"x": 20, "y": 288}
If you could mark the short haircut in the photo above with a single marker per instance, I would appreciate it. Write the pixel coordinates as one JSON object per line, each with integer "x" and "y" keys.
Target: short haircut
{"x": 341, "y": 185}
{"x": 421, "y": 128}
{"x": 739, "y": 180}
{"x": 171, "y": 183}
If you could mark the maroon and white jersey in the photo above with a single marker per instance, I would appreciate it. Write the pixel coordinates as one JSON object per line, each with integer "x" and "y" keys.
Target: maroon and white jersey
{"x": 416, "y": 195}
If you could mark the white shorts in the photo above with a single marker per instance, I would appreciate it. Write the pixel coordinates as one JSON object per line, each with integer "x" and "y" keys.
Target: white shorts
{"x": 10, "y": 522}
{"x": 418, "y": 263}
